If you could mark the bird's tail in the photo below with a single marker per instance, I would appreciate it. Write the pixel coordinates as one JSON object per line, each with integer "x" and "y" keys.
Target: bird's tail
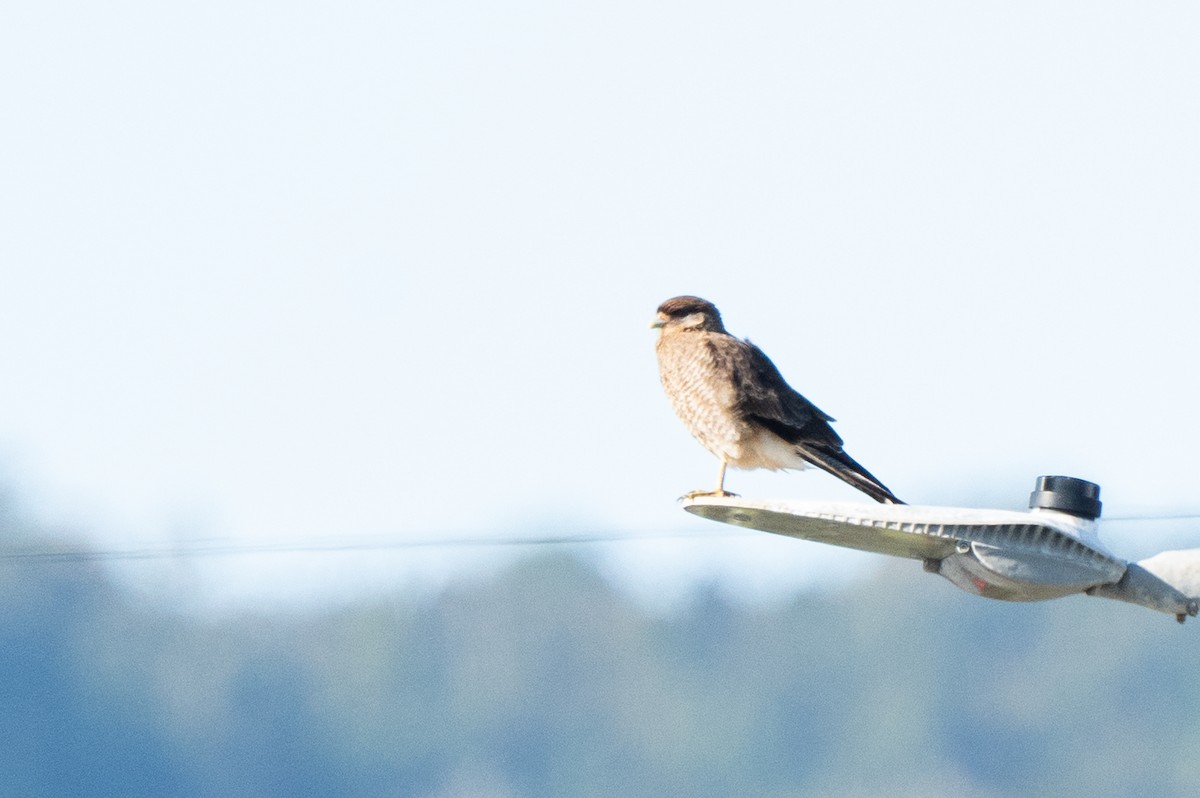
{"x": 847, "y": 469}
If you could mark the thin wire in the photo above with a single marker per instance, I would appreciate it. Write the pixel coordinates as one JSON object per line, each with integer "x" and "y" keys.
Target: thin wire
{"x": 1178, "y": 517}
{"x": 224, "y": 549}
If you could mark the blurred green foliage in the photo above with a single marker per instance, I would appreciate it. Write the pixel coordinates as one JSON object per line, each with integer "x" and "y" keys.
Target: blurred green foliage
{"x": 546, "y": 681}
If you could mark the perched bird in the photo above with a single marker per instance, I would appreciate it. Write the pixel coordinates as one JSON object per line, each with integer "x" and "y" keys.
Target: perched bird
{"x": 733, "y": 400}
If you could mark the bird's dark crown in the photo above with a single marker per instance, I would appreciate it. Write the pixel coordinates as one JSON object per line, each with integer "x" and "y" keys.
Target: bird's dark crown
{"x": 681, "y": 307}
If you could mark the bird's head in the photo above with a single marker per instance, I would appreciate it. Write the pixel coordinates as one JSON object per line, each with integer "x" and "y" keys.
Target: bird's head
{"x": 687, "y": 313}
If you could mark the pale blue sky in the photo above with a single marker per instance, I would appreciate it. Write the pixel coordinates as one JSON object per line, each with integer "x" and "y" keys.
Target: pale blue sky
{"x": 289, "y": 271}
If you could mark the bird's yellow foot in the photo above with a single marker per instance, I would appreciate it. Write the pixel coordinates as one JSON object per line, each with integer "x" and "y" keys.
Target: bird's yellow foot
{"x": 724, "y": 494}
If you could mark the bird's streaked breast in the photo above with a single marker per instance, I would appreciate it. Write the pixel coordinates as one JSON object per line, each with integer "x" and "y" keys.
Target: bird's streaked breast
{"x": 701, "y": 391}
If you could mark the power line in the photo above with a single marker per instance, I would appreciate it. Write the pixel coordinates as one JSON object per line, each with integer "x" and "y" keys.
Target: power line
{"x": 184, "y": 550}
{"x": 1152, "y": 518}
{"x": 226, "y": 548}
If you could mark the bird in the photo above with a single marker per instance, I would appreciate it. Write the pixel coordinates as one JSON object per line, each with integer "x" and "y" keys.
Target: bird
{"x": 735, "y": 402}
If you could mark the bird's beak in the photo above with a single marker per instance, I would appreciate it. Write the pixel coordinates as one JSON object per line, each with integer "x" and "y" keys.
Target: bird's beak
{"x": 657, "y": 324}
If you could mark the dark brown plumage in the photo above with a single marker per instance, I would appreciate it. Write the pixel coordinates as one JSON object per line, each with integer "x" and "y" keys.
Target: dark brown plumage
{"x": 733, "y": 399}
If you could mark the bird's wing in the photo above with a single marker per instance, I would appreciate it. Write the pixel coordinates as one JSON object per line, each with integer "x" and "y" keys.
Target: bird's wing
{"x": 765, "y": 395}
{"x": 765, "y": 398}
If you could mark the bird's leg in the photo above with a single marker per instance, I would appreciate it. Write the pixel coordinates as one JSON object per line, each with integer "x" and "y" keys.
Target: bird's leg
{"x": 720, "y": 491}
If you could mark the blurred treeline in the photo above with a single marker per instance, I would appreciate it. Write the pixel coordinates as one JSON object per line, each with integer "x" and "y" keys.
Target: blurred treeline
{"x": 546, "y": 681}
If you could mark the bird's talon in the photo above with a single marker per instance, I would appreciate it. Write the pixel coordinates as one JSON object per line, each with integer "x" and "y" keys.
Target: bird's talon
{"x": 723, "y": 494}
